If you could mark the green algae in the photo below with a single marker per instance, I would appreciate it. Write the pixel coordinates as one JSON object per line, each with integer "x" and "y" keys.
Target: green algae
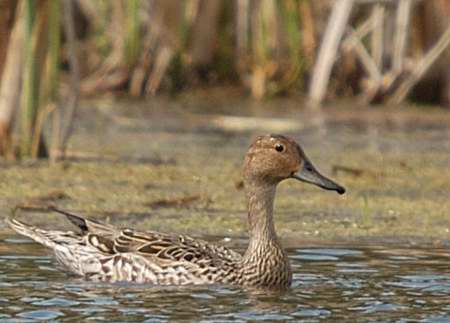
{"x": 400, "y": 188}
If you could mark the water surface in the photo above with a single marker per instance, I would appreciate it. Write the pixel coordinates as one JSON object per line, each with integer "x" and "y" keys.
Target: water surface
{"x": 343, "y": 282}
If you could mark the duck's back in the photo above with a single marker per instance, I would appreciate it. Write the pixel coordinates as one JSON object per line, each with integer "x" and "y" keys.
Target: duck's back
{"x": 103, "y": 253}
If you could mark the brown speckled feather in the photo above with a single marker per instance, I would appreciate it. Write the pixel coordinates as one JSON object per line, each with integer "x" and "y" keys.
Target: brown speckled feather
{"x": 107, "y": 254}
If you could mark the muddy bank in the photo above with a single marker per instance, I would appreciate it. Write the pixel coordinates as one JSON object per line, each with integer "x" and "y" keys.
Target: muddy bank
{"x": 168, "y": 165}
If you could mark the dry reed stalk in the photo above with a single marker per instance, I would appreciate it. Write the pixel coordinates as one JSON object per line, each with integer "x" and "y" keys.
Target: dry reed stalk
{"x": 168, "y": 17}
{"x": 328, "y": 50}
{"x": 161, "y": 64}
{"x": 421, "y": 68}
{"x": 139, "y": 72}
{"x": 112, "y": 73}
{"x": 72, "y": 104}
{"x": 378, "y": 35}
{"x": 366, "y": 59}
{"x": 41, "y": 117}
{"x": 402, "y": 31}
{"x": 264, "y": 42}
{"x": 242, "y": 35}
{"x": 54, "y": 47}
{"x": 308, "y": 39}
{"x": 204, "y": 33}
{"x": 11, "y": 83}
{"x": 7, "y": 10}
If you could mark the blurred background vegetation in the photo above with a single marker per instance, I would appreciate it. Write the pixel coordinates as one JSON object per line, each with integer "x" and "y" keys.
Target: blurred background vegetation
{"x": 54, "y": 52}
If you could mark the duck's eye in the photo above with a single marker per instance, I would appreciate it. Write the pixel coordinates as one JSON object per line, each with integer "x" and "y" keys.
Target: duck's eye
{"x": 279, "y": 147}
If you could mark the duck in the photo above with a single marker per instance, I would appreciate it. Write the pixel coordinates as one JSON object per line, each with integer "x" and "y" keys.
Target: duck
{"x": 103, "y": 253}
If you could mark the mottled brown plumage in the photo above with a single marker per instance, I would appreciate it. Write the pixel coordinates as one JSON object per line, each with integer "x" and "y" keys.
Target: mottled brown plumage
{"x": 103, "y": 253}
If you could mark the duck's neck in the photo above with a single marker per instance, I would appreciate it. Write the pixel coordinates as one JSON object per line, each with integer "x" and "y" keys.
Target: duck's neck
{"x": 265, "y": 263}
{"x": 260, "y": 215}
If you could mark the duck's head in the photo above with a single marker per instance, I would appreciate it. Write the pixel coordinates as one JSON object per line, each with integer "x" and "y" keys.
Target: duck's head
{"x": 273, "y": 158}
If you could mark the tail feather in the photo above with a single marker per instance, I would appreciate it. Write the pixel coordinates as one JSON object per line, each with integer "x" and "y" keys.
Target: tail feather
{"x": 75, "y": 219}
{"x": 85, "y": 225}
{"x": 38, "y": 235}
{"x": 67, "y": 246}
{"x": 53, "y": 238}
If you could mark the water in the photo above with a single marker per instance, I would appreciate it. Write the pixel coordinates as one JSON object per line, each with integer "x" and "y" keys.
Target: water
{"x": 344, "y": 282}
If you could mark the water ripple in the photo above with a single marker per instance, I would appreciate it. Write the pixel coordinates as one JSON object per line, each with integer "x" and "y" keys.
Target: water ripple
{"x": 336, "y": 284}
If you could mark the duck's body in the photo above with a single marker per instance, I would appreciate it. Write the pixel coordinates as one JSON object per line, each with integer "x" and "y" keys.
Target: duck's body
{"x": 103, "y": 253}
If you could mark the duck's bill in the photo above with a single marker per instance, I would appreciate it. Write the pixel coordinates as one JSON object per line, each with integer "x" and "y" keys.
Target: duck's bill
{"x": 309, "y": 174}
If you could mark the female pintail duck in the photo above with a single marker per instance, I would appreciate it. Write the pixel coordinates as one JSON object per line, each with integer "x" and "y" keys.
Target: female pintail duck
{"x": 103, "y": 253}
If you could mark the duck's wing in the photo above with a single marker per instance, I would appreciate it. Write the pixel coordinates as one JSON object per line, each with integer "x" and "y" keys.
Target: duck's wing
{"x": 171, "y": 247}
{"x": 102, "y": 252}
{"x": 110, "y": 240}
